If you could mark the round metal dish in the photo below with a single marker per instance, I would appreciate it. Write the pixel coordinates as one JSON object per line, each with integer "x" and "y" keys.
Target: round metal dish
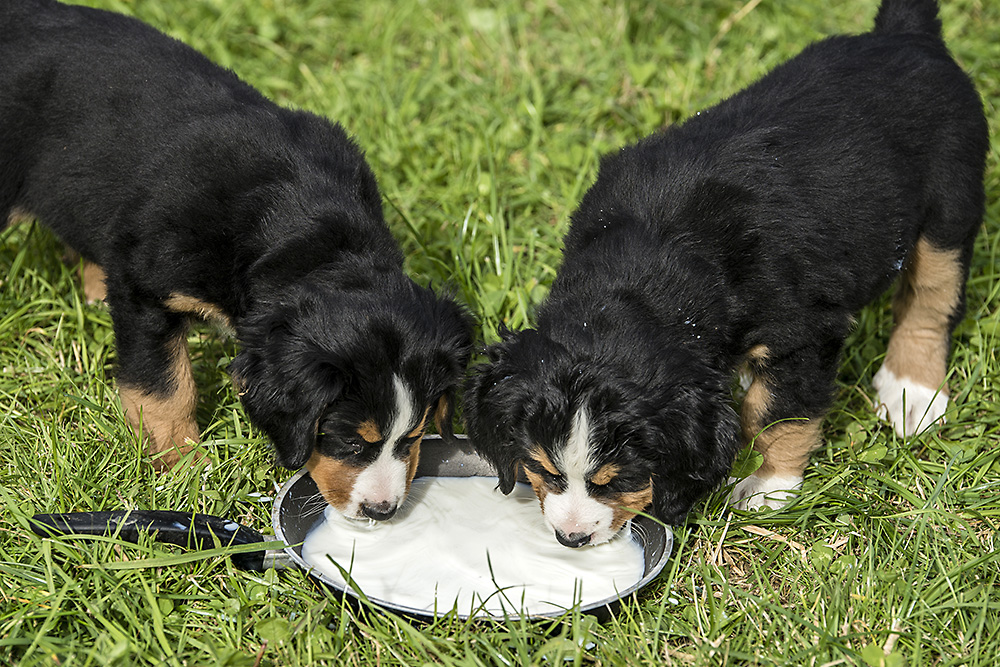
{"x": 296, "y": 512}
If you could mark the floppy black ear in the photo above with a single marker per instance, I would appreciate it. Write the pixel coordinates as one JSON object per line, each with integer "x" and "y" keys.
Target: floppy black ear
{"x": 287, "y": 399}
{"x": 699, "y": 437}
{"x": 454, "y": 349}
{"x": 492, "y": 395}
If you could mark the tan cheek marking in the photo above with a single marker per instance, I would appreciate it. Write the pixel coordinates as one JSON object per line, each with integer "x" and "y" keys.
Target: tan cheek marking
{"x": 622, "y": 503}
{"x": 543, "y": 459}
{"x": 166, "y": 422}
{"x": 786, "y": 446}
{"x": 419, "y": 430}
{"x": 605, "y": 474}
{"x": 369, "y": 431}
{"x": 539, "y": 486}
{"x": 182, "y": 303}
{"x": 412, "y": 461}
{"x": 928, "y": 293}
{"x": 334, "y": 478}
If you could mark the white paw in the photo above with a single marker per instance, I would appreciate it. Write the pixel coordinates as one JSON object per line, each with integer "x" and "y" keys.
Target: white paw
{"x": 908, "y": 406}
{"x": 753, "y": 492}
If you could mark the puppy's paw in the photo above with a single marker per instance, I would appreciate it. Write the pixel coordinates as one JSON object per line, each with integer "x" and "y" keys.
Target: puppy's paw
{"x": 754, "y": 492}
{"x": 910, "y": 407}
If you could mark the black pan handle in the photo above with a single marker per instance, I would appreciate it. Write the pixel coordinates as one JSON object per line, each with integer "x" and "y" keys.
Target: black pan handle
{"x": 186, "y": 529}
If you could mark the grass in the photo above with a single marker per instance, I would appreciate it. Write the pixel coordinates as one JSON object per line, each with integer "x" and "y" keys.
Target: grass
{"x": 484, "y": 123}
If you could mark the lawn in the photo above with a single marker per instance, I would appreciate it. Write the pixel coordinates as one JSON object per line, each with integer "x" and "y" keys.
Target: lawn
{"x": 484, "y": 123}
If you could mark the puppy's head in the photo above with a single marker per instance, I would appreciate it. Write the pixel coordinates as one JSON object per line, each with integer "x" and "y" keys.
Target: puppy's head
{"x": 599, "y": 439}
{"x": 346, "y": 382}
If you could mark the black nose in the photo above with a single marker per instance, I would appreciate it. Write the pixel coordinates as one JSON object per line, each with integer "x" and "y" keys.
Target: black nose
{"x": 573, "y": 540}
{"x": 379, "y": 511}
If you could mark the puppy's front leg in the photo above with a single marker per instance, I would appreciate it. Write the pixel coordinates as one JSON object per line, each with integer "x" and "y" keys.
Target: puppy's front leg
{"x": 781, "y": 416}
{"x": 155, "y": 382}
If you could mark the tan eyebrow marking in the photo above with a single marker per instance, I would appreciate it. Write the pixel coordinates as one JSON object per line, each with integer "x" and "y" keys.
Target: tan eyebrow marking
{"x": 368, "y": 430}
{"x": 543, "y": 459}
{"x": 605, "y": 474}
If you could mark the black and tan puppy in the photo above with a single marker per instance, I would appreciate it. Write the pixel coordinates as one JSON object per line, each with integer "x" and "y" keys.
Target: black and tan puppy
{"x": 747, "y": 235}
{"x": 199, "y": 197}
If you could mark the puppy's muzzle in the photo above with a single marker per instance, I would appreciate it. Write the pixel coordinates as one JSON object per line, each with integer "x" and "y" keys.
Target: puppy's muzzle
{"x": 379, "y": 511}
{"x": 573, "y": 540}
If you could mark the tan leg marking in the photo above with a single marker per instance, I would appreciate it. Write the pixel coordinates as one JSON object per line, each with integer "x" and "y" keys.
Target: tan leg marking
{"x": 93, "y": 279}
{"x": 635, "y": 500}
{"x": 165, "y": 422}
{"x": 786, "y": 446}
{"x": 928, "y": 294}
{"x": 182, "y": 303}
{"x": 755, "y": 406}
{"x": 19, "y": 215}
{"x": 334, "y": 479}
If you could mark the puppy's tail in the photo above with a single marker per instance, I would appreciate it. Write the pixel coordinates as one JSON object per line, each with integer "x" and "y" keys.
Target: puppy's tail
{"x": 908, "y": 16}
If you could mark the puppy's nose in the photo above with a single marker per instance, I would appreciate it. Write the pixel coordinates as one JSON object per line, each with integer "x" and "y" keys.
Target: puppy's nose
{"x": 573, "y": 540}
{"x": 379, "y": 511}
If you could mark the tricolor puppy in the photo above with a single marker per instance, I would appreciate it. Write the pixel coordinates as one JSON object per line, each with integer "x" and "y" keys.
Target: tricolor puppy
{"x": 747, "y": 235}
{"x": 190, "y": 194}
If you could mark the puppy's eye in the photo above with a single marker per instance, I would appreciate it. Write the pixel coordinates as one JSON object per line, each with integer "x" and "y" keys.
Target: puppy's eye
{"x": 354, "y": 447}
{"x": 551, "y": 478}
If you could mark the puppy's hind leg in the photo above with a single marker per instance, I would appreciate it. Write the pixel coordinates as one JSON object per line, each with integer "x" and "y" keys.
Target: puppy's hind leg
{"x": 927, "y": 305}
{"x": 155, "y": 382}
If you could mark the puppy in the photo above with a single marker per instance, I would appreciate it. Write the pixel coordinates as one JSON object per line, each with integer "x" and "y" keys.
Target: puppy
{"x": 747, "y": 235}
{"x": 196, "y": 196}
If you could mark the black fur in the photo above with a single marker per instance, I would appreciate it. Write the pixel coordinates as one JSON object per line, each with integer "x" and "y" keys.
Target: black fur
{"x": 178, "y": 178}
{"x": 766, "y": 220}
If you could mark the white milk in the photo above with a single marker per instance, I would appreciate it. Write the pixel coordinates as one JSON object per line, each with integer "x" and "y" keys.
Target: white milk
{"x": 450, "y": 532}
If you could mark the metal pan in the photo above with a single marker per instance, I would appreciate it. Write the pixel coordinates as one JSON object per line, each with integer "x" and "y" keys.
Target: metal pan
{"x": 296, "y": 512}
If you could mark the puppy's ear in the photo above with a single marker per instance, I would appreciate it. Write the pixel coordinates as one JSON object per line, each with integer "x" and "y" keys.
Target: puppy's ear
{"x": 444, "y": 414}
{"x": 699, "y": 436}
{"x": 285, "y": 394}
{"x": 448, "y": 359}
{"x": 493, "y": 394}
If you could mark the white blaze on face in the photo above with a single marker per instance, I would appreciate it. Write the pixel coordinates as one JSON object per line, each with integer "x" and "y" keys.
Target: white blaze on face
{"x": 573, "y": 510}
{"x": 384, "y": 480}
